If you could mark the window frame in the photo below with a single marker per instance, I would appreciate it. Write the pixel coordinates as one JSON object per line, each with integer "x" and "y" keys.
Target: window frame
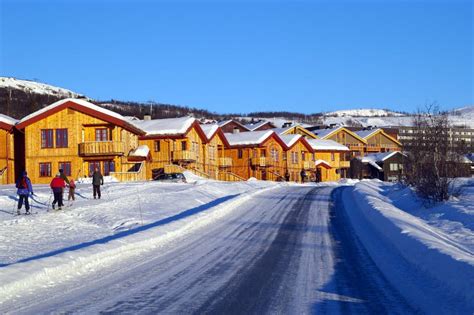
{"x": 66, "y": 167}
{"x": 48, "y": 173}
{"x": 62, "y": 142}
{"x": 47, "y": 138}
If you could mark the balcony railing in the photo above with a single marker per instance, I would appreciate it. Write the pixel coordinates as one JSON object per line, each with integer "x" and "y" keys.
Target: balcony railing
{"x": 343, "y": 164}
{"x": 225, "y": 162}
{"x": 98, "y": 148}
{"x": 184, "y": 156}
{"x": 354, "y": 146}
{"x": 308, "y": 165}
{"x": 261, "y": 161}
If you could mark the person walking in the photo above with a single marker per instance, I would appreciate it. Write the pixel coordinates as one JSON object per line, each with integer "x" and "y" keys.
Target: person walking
{"x": 303, "y": 175}
{"x": 97, "y": 181}
{"x": 57, "y": 185}
{"x": 63, "y": 176}
{"x": 72, "y": 188}
{"x": 24, "y": 189}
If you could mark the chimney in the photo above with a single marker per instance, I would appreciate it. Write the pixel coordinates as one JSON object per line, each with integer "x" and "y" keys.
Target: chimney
{"x": 147, "y": 117}
{"x": 236, "y": 130}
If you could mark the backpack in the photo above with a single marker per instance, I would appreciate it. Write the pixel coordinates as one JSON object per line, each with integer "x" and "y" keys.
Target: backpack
{"x": 22, "y": 184}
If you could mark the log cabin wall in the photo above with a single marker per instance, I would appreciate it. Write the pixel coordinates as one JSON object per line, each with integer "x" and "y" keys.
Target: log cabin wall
{"x": 7, "y": 157}
{"x": 333, "y": 158}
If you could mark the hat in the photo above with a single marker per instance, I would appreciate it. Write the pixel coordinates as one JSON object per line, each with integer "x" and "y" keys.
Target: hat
{"x": 58, "y": 175}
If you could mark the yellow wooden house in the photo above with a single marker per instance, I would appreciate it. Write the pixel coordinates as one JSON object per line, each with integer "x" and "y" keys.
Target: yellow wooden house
{"x": 77, "y": 136}
{"x": 257, "y": 154}
{"x": 217, "y": 165}
{"x": 176, "y": 144}
{"x": 297, "y": 129}
{"x": 298, "y": 157}
{"x": 342, "y": 135}
{"x": 378, "y": 141}
{"x": 328, "y": 157}
{"x": 7, "y": 152}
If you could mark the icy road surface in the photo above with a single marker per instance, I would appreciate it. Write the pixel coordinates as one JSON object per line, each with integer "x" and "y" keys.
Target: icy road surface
{"x": 286, "y": 250}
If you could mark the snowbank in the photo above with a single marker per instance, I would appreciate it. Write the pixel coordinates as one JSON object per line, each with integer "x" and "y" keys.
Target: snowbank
{"x": 410, "y": 250}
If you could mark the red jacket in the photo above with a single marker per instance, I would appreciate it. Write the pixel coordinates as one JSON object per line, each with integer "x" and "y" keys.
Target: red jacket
{"x": 57, "y": 183}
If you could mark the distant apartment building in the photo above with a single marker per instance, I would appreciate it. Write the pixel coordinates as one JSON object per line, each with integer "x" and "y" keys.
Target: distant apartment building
{"x": 458, "y": 136}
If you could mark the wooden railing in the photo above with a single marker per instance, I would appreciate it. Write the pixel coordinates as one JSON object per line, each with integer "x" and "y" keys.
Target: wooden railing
{"x": 136, "y": 172}
{"x": 344, "y": 164}
{"x": 354, "y": 146}
{"x": 261, "y": 161}
{"x": 225, "y": 162}
{"x": 230, "y": 177}
{"x": 95, "y": 148}
{"x": 187, "y": 156}
{"x": 308, "y": 165}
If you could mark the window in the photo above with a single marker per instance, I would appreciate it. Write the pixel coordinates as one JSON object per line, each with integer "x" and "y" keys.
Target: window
{"x": 61, "y": 138}
{"x": 66, "y": 167}
{"x": 294, "y": 157}
{"x": 101, "y": 134}
{"x": 93, "y": 166}
{"x": 240, "y": 153}
{"x": 274, "y": 154}
{"x": 157, "y": 146}
{"x": 303, "y": 157}
{"x": 393, "y": 166}
{"x": 332, "y": 157}
{"x": 45, "y": 169}
{"x": 109, "y": 166}
{"x": 183, "y": 145}
{"x": 46, "y": 138}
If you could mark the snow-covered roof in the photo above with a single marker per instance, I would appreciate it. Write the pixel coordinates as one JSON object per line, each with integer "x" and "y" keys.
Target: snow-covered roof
{"x": 140, "y": 151}
{"x": 257, "y": 125}
{"x": 248, "y": 138}
{"x": 77, "y": 101}
{"x": 290, "y": 140}
{"x": 366, "y": 133}
{"x": 281, "y": 131}
{"x": 167, "y": 126}
{"x": 374, "y": 158}
{"x": 8, "y": 120}
{"x": 323, "y": 163}
{"x": 326, "y": 145}
{"x": 225, "y": 122}
{"x": 210, "y": 130}
{"x": 321, "y": 133}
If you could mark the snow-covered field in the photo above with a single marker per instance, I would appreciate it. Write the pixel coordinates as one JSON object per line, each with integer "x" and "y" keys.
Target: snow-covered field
{"x": 151, "y": 245}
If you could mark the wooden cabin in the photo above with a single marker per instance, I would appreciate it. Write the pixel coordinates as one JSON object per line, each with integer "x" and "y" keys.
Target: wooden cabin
{"x": 176, "y": 144}
{"x": 232, "y": 126}
{"x": 387, "y": 166}
{"x": 298, "y": 157}
{"x": 7, "y": 150}
{"x": 344, "y": 136}
{"x": 260, "y": 126}
{"x": 292, "y": 130}
{"x": 218, "y": 165}
{"x": 257, "y": 154}
{"x": 379, "y": 141}
{"x": 328, "y": 156}
{"x": 78, "y": 136}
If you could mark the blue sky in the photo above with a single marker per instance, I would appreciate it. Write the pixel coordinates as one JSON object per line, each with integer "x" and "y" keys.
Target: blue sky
{"x": 305, "y": 56}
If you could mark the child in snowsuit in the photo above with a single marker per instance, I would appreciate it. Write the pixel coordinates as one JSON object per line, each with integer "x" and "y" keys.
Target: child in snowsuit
{"x": 57, "y": 185}
{"x": 72, "y": 188}
{"x": 24, "y": 189}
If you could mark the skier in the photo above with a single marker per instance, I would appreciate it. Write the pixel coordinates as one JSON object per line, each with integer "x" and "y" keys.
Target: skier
{"x": 72, "y": 188}
{"x": 24, "y": 189}
{"x": 57, "y": 185}
{"x": 63, "y": 176}
{"x": 97, "y": 181}
{"x": 287, "y": 176}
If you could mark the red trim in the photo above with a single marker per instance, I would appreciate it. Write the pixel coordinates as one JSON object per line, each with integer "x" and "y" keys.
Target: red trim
{"x": 6, "y": 126}
{"x": 221, "y": 135}
{"x": 84, "y": 110}
{"x": 195, "y": 124}
{"x": 305, "y": 143}
{"x": 234, "y": 121}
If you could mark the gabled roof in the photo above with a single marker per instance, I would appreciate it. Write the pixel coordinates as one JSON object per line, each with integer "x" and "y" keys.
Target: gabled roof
{"x": 7, "y": 122}
{"x": 212, "y": 130}
{"x": 225, "y": 122}
{"x": 326, "y": 133}
{"x": 255, "y": 126}
{"x": 292, "y": 139}
{"x": 252, "y": 138}
{"x": 289, "y": 130}
{"x": 367, "y": 134}
{"x": 170, "y": 127}
{"x": 374, "y": 158}
{"x": 83, "y": 107}
{"x": 326, "y": 145}
{"x": 322, "y": 163}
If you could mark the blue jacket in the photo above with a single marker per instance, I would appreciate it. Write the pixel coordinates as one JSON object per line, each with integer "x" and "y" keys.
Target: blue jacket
{"x": 24, "y": 191}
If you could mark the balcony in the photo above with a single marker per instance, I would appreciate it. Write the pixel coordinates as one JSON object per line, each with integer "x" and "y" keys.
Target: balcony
{"x": 225, "y": 162}
{"x": 261, "y": 161}
{"x": 184, "y": 156}
{"x": 373, "y": 148}
{"x": 101, "y": 148}
{"x": 344, "y": 164}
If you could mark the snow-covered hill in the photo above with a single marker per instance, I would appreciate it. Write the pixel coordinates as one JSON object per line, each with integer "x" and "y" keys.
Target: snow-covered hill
{"x": 363, "y": 112}
{"x": 36, "y": 88}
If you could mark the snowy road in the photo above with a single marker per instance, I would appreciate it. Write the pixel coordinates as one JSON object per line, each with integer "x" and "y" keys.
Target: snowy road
{"x": 286, "y": 250}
